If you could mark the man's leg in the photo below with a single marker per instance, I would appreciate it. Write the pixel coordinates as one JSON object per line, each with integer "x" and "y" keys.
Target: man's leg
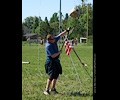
{"x": 53, "y": 83}
{"x": 46, "y": 92}
{"x": 48, "y": 84}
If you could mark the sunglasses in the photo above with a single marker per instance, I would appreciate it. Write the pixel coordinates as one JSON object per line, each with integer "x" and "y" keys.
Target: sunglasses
{"x": 51, "y": 39}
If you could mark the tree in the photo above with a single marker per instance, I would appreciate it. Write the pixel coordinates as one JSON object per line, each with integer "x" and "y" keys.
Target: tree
{"x": 54, "y": 28}
{"x": 80, "y": 23}
{"x": 35, "y": 24}
{"x": 54, "y": 24}
{"x": 45, "y": 28}
{"x": 90, "y": 26}
{"x": 65, "y": 22}
{"x": 54, "y": 18}
{"x": 23, "y": 38}
{"x": 28, "y": 22}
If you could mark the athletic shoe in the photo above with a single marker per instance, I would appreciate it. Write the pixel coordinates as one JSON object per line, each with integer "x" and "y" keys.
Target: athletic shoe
{"x": 53, "y": 90}
{"x": 46, "y": 92}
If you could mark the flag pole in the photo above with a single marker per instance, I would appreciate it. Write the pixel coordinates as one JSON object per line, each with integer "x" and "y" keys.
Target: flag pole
{"x": 87, "y": 22}
{"x": 60, "y": 27}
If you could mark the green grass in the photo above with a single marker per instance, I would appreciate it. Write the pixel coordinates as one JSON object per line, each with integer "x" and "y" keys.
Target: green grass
{"x": 34, "y": 77}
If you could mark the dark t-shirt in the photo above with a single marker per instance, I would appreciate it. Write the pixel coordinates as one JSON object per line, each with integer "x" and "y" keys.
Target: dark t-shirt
{"x": 52, "y": 48}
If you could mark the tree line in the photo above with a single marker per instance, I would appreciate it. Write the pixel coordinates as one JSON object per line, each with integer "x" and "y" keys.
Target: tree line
{"x": 43, "y": 27}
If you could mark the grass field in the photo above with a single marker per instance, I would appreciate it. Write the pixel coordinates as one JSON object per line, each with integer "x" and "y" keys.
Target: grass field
{"x": 68, "y": 85}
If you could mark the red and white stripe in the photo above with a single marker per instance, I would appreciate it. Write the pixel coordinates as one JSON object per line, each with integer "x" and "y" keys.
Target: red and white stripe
{"x": 68, "y": 47}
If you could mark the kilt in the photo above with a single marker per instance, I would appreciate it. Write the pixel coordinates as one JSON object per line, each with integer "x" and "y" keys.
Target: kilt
{"x": 53, "y": 67}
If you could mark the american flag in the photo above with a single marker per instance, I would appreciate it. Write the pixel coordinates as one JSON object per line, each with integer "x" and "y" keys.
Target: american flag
{"x": 68, "y": 47}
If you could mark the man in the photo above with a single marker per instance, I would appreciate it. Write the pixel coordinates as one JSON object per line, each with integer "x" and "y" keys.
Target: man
{"x": 76, "y": 41}
{"x": 41, "y": 42}
{"x": 52, "y": 65}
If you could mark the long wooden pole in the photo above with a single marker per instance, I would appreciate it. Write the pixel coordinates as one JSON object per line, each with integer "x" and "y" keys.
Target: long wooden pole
{"x": 87, "y": 22}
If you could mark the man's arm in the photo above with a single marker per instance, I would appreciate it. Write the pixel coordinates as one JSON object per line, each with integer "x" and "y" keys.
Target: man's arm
{"x": 56, "y": 54}
{"x": 63, "y": 33}
{"x": 51, "y": 53}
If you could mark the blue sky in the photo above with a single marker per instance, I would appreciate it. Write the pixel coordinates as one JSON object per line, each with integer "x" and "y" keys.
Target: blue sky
{"x": 46, "y": 8}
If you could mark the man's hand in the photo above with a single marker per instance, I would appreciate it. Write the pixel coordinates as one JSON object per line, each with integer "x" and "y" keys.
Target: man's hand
{"x": 69, "y": 28}
{"x": 63, "y": 33}
{"x": 60, "y": 51}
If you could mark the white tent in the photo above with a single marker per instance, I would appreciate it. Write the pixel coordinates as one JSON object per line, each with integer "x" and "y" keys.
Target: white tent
{"x": 82, "y": 38}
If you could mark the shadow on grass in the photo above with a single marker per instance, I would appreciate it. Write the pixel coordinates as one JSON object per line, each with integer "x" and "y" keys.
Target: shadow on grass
{"x": 77, "y": 94}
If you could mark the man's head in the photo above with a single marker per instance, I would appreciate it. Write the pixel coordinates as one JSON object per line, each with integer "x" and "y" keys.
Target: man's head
{"x": 50, "y": 38}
